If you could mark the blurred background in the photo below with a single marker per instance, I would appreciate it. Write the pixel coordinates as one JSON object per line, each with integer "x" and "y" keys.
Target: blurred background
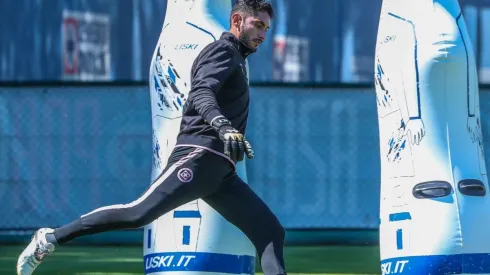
{"x": 75, "y": 125}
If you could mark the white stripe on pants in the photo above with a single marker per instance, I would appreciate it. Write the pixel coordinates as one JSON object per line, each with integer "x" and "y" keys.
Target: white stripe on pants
{"x": 152, "y": 188}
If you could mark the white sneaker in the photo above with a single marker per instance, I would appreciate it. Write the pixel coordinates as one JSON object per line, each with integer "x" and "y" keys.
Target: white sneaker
{"x": 35, "y": 252}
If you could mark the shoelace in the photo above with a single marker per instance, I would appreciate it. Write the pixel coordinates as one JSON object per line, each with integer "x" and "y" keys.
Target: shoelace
{"x": 41, "y": 251}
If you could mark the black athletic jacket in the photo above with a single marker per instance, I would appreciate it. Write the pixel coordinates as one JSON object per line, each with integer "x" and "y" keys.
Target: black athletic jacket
{"x": 219, "y": 86}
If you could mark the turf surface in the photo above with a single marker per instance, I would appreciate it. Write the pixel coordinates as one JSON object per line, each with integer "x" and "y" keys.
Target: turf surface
{"x": 125, "y": 260}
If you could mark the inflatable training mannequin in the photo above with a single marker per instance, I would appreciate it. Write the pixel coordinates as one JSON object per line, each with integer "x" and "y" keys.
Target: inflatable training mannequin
{"x": 193, "y": 238}
{"x": 435, "y": 205}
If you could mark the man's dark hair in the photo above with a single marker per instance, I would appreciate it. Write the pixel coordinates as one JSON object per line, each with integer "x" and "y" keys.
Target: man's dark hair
{"x": 252, "y": 7}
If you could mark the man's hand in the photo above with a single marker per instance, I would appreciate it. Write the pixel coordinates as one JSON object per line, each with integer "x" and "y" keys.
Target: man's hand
{"x": 236, "y": 146}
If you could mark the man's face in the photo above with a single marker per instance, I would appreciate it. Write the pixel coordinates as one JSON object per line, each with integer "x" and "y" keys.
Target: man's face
{"x": 254, "y": 29}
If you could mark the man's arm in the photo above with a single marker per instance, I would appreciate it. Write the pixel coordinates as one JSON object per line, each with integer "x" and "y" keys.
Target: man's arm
{"x": 211, "y": 70}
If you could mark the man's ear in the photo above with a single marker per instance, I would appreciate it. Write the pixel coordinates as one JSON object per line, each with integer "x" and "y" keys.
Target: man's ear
{"x": 236, "y": 20}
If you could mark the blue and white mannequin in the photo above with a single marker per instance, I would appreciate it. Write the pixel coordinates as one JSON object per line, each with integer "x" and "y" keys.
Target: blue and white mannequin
{"x": 193, "y": 238}
{"x": 435, "y": 204}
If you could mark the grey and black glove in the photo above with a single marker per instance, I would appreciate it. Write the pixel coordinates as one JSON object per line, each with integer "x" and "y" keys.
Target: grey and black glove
{"x": 236, "y": 146}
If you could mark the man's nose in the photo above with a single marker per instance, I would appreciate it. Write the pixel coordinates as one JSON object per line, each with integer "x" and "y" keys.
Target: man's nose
{"x": 262, "y": 35}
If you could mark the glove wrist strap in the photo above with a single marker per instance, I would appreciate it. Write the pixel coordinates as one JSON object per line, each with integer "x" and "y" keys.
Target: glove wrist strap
{"x": 219, "y": 122}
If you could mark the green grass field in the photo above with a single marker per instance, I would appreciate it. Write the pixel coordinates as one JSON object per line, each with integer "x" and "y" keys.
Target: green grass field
{"x": 124, "y": 260}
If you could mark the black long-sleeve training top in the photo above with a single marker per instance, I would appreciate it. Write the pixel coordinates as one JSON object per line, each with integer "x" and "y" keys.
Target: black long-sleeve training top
{"x": 219, "y": 87}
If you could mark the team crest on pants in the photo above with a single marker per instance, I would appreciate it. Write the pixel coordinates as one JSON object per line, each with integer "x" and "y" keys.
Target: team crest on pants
{"x": 185, "y": 175}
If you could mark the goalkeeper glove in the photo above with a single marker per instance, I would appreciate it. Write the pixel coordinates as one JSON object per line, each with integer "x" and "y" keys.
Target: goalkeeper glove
{"x": 236, "y": 146}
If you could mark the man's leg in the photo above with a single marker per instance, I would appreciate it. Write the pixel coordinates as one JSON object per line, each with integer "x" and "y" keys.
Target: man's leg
{"x": 167, "y": 192}
{"x": 193, "y": 174}
{"x": 239, "y": 205}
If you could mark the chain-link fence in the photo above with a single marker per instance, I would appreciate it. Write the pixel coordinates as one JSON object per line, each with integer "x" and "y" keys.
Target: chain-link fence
{"x": 317, "y": 161}
{"x": 66, "y": 151}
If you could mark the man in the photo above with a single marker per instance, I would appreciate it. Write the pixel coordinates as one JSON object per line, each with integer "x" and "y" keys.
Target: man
{"x": 202, "y": 165}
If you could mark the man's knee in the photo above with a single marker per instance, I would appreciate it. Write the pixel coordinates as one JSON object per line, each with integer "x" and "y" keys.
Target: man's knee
{"x": 136, "y": 217}
{"x": 280, "y": 232}
{"x": 276, "y": 229}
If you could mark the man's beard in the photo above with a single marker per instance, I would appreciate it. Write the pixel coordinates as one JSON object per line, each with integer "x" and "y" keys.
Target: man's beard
{"x": 245, "y": 38}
